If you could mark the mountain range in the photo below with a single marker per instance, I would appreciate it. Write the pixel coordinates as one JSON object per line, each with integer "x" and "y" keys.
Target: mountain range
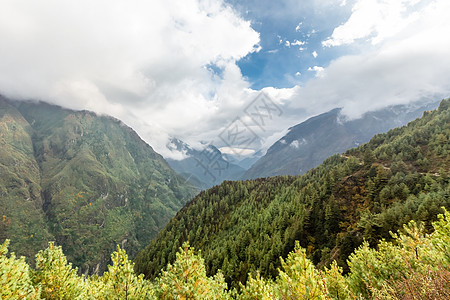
{"x": 203, "y": 168}
{"x": 90, "y": 182}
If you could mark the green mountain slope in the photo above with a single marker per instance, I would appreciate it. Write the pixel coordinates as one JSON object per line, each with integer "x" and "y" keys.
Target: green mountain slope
{"x": 246, "y": 226}
{"x": 88, "y": 182}
{"x": 21, "y": 203}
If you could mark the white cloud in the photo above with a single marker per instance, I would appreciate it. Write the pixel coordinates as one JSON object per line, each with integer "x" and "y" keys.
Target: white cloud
{"x": 298, "y": 43}
{"x": 319, "y": 70}
{"x": 294, "y": 43}
{"x": 314, "y": 54}
{"x": 141, "y": 61}
{"x": 299, "y": 26}
{"x": 411, "y": 65}
{"x": 295, "y": 144}
{"x": 375, "y": 20}
{"x": 239, "y": 151}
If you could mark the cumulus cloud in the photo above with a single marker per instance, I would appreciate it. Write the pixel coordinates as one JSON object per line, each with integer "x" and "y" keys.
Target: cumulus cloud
{"x": 144, "y": 62}
{"x": 376, "y": 20}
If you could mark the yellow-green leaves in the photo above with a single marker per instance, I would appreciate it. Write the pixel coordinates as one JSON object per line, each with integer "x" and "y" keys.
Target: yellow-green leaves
{"x": 120, "y": 281}
{"x": 57, "y": 277}
{"x": 186, "y": 279}
{"x": 15, "y": 280}
{"x": 414, "y": 266}
{"x": 299, "y": 278}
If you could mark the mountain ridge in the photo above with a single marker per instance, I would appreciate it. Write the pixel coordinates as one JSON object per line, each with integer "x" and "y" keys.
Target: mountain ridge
{"x": 203, "y": 168}
{"x": 96, "y": 184}
{"x": 308, "y": 143}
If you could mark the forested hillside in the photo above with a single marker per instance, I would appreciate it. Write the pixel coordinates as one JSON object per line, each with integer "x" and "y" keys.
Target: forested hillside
{"x": 363, "y": 194}
{"x": 416, "y": 265}
{"x": 86, "y": 181}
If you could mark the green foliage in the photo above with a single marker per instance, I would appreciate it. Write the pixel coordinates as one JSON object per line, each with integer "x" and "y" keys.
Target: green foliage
{"x": 363, "y": 194}
{"x": 413, "y": 256}
{"x": 299, "y": 278}
{"x": 120, "y": 281}
{"x": 441, "y": 237}
{"x": 186, "y": 279}
{"x": 15, "y": 279}
{"x": 336, "y": 284}
{"x": 257, "y": 289}
{"x": 57, "y": 277}
{"x": 20, "y": 191}
{"x": 412, "y": 266}
{"x": 54, "y": 278}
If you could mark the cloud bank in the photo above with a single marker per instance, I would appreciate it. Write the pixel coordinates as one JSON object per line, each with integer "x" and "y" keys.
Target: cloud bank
{"x": 400, "y": 55}
{"x": 168, "y": 68}
{"x": 163, "y": 67}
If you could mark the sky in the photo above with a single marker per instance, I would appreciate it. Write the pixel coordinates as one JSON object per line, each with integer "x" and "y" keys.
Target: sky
{"x": 233, "y": 73}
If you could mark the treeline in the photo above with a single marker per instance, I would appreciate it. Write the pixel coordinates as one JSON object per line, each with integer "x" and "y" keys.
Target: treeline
{"x": 415, "y": 265}
{"x": 362, "y": 195}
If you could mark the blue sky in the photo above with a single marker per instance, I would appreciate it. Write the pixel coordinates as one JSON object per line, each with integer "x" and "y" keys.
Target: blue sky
{"x": 190, "y": 68}
{"x": 290, "y": 32}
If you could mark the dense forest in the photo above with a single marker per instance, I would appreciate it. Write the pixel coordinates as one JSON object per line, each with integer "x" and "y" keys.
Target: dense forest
{"x": 415, "y": 265}
{"x": 353, "y": 199}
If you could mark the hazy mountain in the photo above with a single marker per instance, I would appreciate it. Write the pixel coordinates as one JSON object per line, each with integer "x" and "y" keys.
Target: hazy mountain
{"x": 307, "y": 144}
{"x": 242, "y": 227}
{"x": 87, "y": 181}
{"x": 248, "y": 161}
{"x": 204, "y": 168}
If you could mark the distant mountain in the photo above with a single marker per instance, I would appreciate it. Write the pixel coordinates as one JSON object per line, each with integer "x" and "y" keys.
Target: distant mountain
{"x": 204, "y": 168}
{"x": 89, "y": 182}
{"x": 244, "y": 227}
{"x": 309, "y": 143}
{"x": 249, "y": 160}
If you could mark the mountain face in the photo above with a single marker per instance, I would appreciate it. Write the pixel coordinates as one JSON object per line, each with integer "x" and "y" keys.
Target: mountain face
{"x": 308, "y": 144}
{"x": 204, "y": 168}
{"x": 364, "y": 194}
{"x": 86, "y": 181}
